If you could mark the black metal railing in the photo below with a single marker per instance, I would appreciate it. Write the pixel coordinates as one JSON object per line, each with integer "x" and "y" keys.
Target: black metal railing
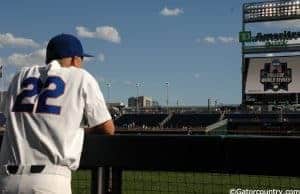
{"x": 247, "y": 155}
{"x": 250, "y": 155}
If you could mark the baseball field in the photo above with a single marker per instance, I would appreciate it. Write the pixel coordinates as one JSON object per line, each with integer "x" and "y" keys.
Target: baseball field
{"x": 143, "y": 182}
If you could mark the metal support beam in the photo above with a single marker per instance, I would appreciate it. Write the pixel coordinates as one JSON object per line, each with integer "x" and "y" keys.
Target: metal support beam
{"x": 100, "y": 181}
{"x": 116, "y": 181}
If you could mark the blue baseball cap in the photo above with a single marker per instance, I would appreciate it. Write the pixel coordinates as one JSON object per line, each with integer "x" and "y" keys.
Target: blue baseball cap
{"x": 64, "y": 45}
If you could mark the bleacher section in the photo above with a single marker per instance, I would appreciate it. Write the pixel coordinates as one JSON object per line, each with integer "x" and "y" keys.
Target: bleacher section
{"x": 200, "y": 120}
{"x": 140, "y": 120}
{"x": 264, "y": 123}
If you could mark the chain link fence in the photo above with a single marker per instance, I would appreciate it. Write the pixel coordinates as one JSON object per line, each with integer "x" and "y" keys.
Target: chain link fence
{"x": 143, "y": 182}
{"x": 81, "y": 182}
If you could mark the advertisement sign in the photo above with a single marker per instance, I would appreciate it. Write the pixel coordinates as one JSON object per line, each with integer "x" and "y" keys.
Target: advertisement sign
{"x": 271, "y": 40}
{"x": 273, "y": 75}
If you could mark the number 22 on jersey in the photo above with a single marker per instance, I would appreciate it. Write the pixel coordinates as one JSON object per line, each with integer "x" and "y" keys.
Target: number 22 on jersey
{"x": 43, "y": 92}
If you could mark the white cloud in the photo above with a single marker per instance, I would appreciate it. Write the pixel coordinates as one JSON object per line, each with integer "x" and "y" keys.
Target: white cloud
{"x": 107, "y": 33}
{"x": 98, "y": 58}
{"x": 171, "y": 12}
{"x": 101, "y": 57}
{"x": 83, "y": 32}
{"x": 220, "y": 39}
{"x": 9, "y": 39}
{"x": 198, "y": 40}
{"x": 197, "y": 75}
{"x": 128, "y": 83}
{"x": 210, "y": 39}
{"x": 226, "y": 39}
{"x": 35, "y": 58}
{"x": 88, "y": 59}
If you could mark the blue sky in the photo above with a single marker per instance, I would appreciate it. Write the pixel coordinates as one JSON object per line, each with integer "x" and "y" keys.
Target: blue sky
{"x": 191, "y": 45}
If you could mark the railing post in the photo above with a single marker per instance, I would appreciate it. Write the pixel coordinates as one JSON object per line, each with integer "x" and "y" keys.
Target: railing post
{"x": 100, "y": 180}
{"x": 116, "y": 181}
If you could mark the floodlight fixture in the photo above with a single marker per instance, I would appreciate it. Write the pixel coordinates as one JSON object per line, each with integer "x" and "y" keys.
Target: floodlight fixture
{"x": 271, "y": 11}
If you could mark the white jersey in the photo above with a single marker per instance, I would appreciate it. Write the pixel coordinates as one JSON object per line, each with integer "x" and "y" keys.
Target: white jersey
{"x": 45, "y": 106}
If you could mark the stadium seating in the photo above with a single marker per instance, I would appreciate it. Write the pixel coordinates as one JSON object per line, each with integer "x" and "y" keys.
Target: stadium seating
{"x": 140, "y": 120}
{"x": 192, "y": 120}
{"x": 264, "y": 123}
{"x": 176, "y": 121}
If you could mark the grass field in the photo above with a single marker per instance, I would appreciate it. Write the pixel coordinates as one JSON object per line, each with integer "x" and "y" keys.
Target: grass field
{"x": 81, "y": 182}
{"x": 143, "y": 182}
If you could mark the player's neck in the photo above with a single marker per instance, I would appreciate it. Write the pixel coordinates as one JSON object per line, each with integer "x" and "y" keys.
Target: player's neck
{"x": 69, "y": 62}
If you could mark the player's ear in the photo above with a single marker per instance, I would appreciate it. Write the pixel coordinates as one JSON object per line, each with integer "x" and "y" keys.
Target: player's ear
{"x": 76, "y": 62}
{"x": 66, "y": 62}
{"x": 73, "y": 61}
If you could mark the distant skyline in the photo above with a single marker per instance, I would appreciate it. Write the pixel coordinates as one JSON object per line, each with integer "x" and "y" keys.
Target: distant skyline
{"x": 189, "y": 44}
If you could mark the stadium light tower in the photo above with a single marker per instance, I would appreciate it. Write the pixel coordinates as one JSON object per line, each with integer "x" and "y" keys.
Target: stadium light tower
{"x": 216, "y": 103}
{"x": 138, "y": 85}
{"x": 108, "y": 85}
{"x": 208, "y": 104}
{"x": 167, "y": 93}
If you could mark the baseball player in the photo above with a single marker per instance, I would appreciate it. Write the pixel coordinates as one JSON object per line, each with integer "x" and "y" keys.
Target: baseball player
{"x": 44, "y": 109}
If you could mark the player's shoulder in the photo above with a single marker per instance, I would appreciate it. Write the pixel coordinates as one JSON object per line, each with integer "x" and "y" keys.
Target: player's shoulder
{"x": 31, "y": 68}
{"x": 84, "y": 73}
{"x": 32, "y": 71}
{"x": 72, "y": 72}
